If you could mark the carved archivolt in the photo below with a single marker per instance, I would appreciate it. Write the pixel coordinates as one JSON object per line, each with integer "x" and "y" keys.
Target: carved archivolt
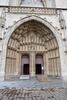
{"x": 33, "y": 36}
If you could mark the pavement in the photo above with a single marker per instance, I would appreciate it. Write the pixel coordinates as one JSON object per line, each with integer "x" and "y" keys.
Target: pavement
{"x": 33, "y": 83}
{"x": 33, "y": 94}
{"x": 32, "y": 89}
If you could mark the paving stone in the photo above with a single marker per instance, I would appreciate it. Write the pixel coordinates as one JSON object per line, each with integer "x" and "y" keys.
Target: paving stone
{"x": 33, "y": 94}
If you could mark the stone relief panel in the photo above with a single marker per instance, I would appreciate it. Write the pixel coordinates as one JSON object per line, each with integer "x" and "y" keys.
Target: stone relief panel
{"x": 32, "y": 42}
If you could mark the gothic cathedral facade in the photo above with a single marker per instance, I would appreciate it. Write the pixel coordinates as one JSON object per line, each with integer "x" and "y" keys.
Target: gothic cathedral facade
{"x": 33, "y": 40}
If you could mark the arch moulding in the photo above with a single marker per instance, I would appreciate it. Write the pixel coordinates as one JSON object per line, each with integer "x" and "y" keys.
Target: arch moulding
{"x": 16, "y": 25}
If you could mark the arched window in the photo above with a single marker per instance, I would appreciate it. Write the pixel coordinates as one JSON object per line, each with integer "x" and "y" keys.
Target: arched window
{"x": 31, "y": 3}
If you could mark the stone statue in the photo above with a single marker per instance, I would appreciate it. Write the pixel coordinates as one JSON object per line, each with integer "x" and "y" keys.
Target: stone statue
{"x": 62, "y": 20}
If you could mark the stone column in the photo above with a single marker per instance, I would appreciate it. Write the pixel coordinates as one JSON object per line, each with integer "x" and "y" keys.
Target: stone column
{"x": 32, "y": 64}
{"x": 45, "y": 64}
{"x": 20, "y": 65}
{"x": 17, "y": 63}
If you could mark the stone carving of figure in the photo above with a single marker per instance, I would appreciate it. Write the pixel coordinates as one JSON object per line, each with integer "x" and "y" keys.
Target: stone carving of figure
{"x": 62, "y": 20}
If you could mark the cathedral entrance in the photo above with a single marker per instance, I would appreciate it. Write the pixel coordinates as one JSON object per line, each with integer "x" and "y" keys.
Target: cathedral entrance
{"x": 39, "y": 64}
{"x": 25, "y": 65}
{"x": 33, "y": 50}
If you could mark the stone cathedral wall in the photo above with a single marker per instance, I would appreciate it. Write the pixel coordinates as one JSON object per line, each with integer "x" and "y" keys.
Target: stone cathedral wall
{"x": 9, "y": 19}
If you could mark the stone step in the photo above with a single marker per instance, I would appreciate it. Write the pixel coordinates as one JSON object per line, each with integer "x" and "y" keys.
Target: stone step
{"x": 24, "y": 77}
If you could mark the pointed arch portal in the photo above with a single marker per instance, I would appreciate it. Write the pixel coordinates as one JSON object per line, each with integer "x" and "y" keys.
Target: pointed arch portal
{"x": 36, "y": 42}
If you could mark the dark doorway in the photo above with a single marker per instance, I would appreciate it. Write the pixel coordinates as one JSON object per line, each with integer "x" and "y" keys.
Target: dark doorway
{"x": 25, "y": 65}
{"x": 26, "y": 69}
{"x": 39, "y": 64}
{"x": 38, "y": 69}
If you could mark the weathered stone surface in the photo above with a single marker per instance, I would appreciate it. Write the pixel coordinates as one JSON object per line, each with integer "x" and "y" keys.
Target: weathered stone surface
{"x": 33, "y": 94}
